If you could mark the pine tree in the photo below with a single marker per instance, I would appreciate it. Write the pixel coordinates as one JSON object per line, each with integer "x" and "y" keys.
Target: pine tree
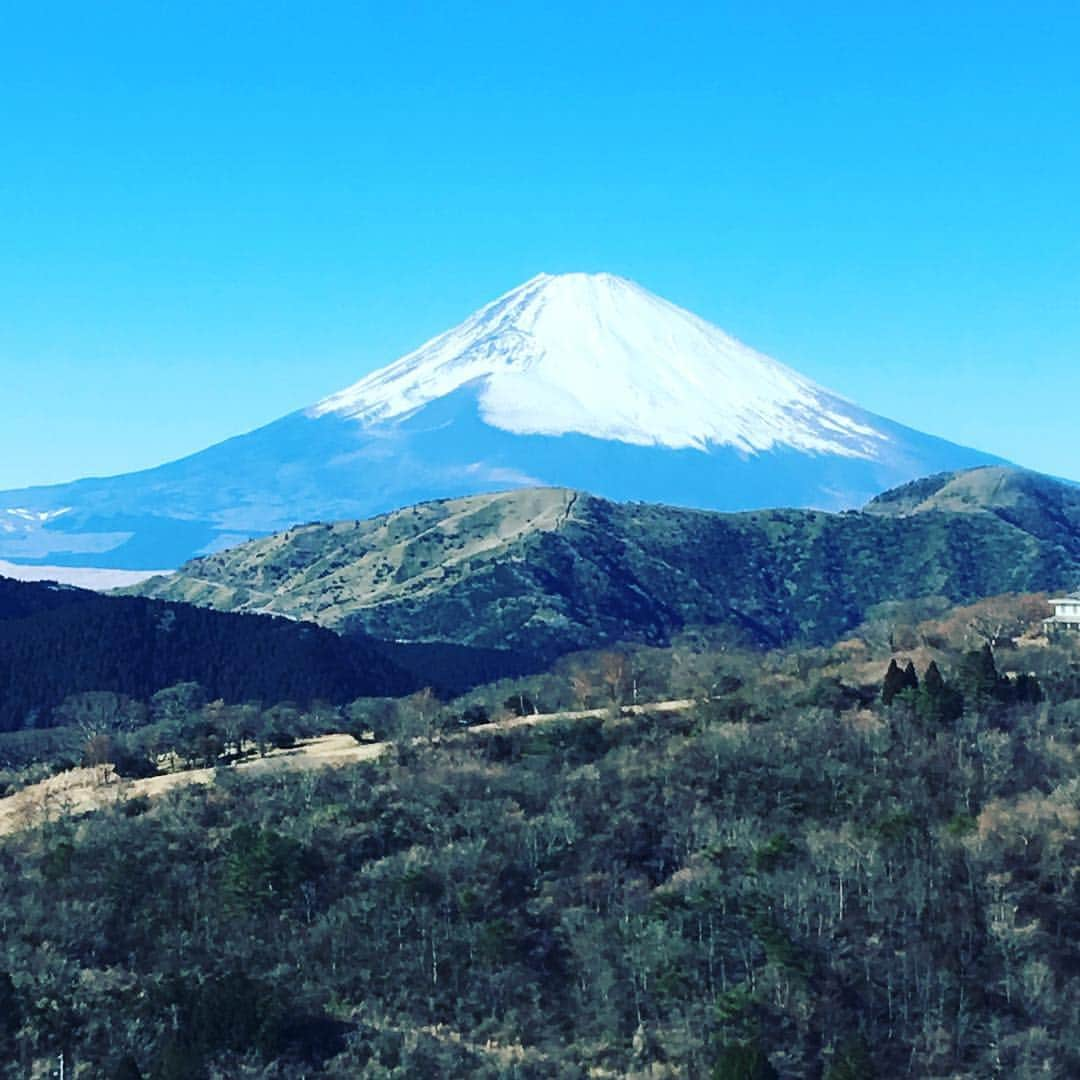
{"x": 932, "y": 698}
{"x": 934, "y": 681}
{"x": 911, "y": 680}
{"x": 1026, "y": 690}
{"x": 979, "y": 678}
{"x": 893, "y": 684}
{"x": 939, "y": 703}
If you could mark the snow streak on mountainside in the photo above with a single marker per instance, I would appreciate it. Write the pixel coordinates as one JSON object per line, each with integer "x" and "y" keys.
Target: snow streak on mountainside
{"x": 600, "y": 356}
{"x": 575, "y": 381}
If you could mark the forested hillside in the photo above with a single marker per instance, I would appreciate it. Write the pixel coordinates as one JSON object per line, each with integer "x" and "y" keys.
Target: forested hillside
{"x": 19, "y": 598}
{"x": 67, "y": 641}
{"x": 56, "y": 641}
{"x": 844, "y": 862}
{"x": 548, "y": 570}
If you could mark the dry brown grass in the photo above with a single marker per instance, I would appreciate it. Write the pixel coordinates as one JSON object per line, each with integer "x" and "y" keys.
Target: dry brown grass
{"x": 79, "y": 791}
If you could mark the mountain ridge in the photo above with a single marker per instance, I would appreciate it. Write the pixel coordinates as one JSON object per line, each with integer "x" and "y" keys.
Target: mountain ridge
{"x": 581, "y": 381}
{"x": 549, "y": 570}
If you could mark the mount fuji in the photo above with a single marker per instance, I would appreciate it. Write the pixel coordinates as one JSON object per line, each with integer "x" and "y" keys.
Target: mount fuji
{"x": 584, "y": 381}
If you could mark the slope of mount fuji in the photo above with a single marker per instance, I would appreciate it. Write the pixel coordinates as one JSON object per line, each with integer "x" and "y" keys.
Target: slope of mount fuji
{"x": 580, "y": 381}
{"x": 598, "y": 355}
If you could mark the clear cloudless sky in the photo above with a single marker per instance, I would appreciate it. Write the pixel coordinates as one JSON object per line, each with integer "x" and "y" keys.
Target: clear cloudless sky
{"x": 212, "y": 214}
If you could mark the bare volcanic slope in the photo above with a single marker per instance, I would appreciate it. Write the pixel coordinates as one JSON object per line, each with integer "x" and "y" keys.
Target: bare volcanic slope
{"x": 548, "y": 570}
{"x": 584, "y": 381}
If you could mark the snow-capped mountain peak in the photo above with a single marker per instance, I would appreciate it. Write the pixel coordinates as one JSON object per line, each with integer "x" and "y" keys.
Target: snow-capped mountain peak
{"x": 581, "y": 381}
{"x": 598, "y": 355}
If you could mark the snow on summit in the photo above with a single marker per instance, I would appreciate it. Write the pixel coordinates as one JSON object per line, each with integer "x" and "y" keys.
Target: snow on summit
{"x": 598, "y": 355}
{"x": 578, "y": 381}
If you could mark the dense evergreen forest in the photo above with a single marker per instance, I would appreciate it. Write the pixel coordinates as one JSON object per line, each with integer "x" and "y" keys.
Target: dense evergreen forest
{"x": 21, "y": 598}
{"x": 80, "y": 641}
{"x": 56, "y": 642}
{"x": 831, "y": 865}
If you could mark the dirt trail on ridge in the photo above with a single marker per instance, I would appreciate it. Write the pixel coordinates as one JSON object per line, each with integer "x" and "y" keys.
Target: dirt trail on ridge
{"x": 80, "y": 791}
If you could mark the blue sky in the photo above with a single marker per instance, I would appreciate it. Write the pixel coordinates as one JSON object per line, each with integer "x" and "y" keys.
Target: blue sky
{"x": 213, "y": 214}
